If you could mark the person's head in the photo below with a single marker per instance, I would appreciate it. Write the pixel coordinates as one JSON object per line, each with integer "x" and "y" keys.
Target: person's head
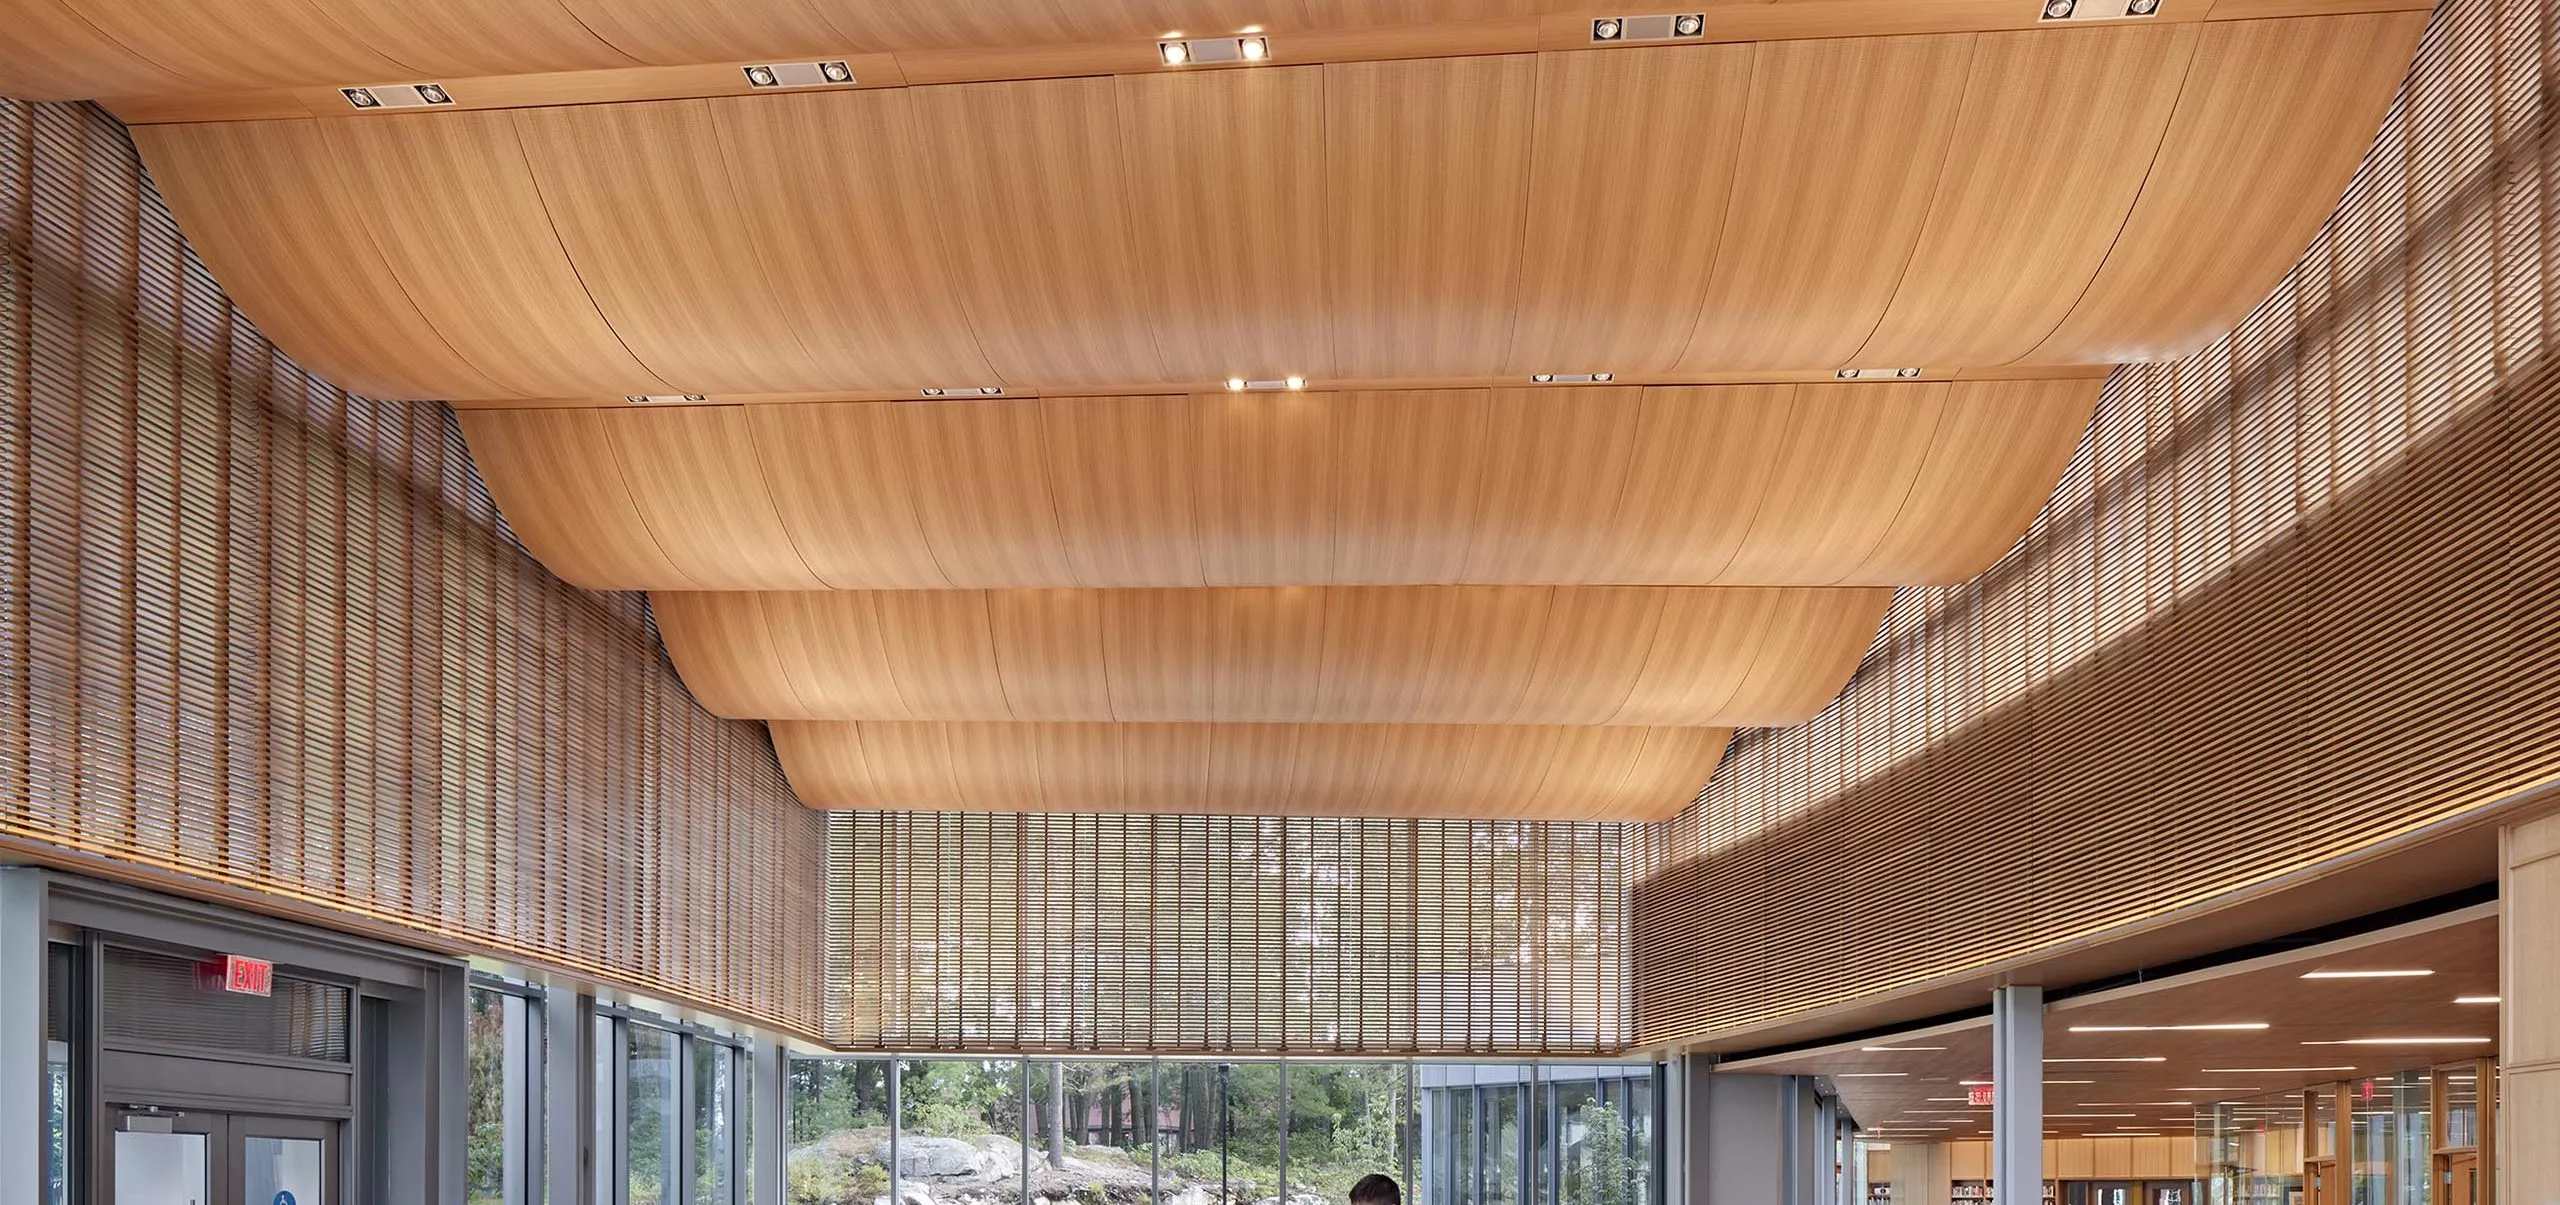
{"x": 1374, "y": 1189}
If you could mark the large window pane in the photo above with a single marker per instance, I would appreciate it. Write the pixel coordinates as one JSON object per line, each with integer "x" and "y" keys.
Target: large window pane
{"x": 960, "y": 1130}
{"x": 838, "y": 1132}
{"x": 1590, "y": 1145}
{"x": 1091, "y": 1133}
{"x": 714, "y": 1116}
{"x": 649, "y": 1118}
{"x": 1346, "y": 1120}
{"x": 501, "y": 1062}
{"x": 1503, "y": 1130}
{"x": 1222, "y": 1137}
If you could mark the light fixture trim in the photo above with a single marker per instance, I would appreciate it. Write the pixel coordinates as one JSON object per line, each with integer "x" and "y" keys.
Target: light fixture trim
{"x": 2233, "y": 1026}
{"x": 2475, "y": 999}
{"x": 2407, "y": 973}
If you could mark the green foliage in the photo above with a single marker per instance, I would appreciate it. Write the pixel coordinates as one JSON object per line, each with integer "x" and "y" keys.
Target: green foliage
{"x": 485, "y": 1082}
{"x": 1611, "y": 1173}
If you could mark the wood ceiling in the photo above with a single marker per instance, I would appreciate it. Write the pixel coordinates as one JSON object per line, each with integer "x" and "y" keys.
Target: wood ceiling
{"x": 2318, "y": 1031}
{"x": 1421, "y": 585}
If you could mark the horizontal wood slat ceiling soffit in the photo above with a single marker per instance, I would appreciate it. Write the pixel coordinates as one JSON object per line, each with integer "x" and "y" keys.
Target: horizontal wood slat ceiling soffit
{"x": 2043, "y": 198}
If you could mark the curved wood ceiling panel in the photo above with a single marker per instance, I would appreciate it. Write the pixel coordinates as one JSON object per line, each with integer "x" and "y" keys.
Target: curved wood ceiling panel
{"x": 1672, "y": 656}
{"x": 477, "y": 255}
{"x": 297, "y": 258}
{"x": 241, "y": 43}
{"x": 1868, "y": 484}
{"x": 672, "y": 32}
{"x": 557, "y": 478}
{"x": 47, "y": 52}
{"x": 1227, "y": 184}
{"x": 2297, "y": 101}
{"x": 1926, "y": 200}
{"x": 1543, "y": 772}
{"x": 648, "y": 207}
{"x": 2022, "y": 213}
{"x": 1031, "y": 199}
{"x": 1428, "y": 169}
{"x": 845, "y": 238}
{"x": 1634, "y": 159}
{"x": 1840, "y": 152}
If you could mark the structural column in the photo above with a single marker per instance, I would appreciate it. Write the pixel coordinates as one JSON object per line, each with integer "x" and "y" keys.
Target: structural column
{"x": 22, "y": 1041}
{"x": 2017, "y": 1095}
{"x": 2528, "y": 1159}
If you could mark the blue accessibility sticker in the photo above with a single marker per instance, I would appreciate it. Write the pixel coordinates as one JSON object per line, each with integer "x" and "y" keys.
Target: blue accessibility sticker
{"x": 284, "y": 1196}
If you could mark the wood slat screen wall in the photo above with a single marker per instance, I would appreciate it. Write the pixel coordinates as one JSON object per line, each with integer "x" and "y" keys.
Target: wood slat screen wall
{"x": 1172, "y": 934}
{"x": 260, "y": 639}
{"x": 2295, "y": 595}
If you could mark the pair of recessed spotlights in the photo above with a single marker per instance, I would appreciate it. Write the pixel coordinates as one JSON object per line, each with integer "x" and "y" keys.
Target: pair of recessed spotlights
{"x": 981, "y": 390}
{"x": 1240, "y": 384}
{"x": 1252, "y": 48}
{"x": 2064, "y": 10}
{"x": 1616, "y": 29}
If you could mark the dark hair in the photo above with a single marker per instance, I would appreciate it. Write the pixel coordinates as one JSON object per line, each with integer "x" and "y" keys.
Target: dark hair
{"x": 1374, "y": 1189}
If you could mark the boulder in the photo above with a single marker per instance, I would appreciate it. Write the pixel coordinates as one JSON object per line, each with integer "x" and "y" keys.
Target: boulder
{"x": 908, "y": 1193}
{"x": 922, "y": 1158}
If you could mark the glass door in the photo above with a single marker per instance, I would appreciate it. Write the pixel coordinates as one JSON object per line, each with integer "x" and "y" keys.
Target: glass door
{"x": 164, "y": 1158}
{"x": 284, "y": 1161}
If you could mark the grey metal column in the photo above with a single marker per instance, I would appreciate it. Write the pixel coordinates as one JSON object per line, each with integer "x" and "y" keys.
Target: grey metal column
{"x": 2017, "y": 1095}
{"x": 566, "y": 1087}
{"x": 772, "y": 1088}
{"x": 897, "y": 1122}
{"x": 22, "y": 1062}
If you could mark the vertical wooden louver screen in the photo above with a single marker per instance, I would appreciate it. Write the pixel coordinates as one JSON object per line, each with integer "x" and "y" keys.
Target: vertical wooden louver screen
{"x": 2299, "y": 592}
{"x": 1189, "y": 933}
{"x": 256, "y": 634}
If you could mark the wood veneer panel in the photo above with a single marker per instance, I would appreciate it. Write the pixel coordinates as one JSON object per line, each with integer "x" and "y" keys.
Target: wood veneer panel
{"x": 1428, "y": 167}
{"x": 838, "y": 214}
{"x": 1398, "y": 654}
{"x": 1730, "y": 485}
{"x": 1312, "y": 769}
{"x": 245, "y": 44}
{"x": 472, "y": 37}
{"x": 647, "y": 206}
{"x": 1991, "y": 465}
{"x": 846, "y": 491}
{"x": 674, "y": 32}
{"x": 47, "y": 52}
{"x": 705, "y": 499}
{"x": 476, "y": 254}
{"x": 1634, "y": 157}
{"x": 1227, "y": 191}
{"x": 2024, "y": 212}
{"x": 1030, "y": 195}
{"x": 1840, "y": 152}
{"x": 2297, "y": 101}
{"x": 1843, "y": 470}
{"x": 308, "y": 268}
{"x": 555, "y": 476}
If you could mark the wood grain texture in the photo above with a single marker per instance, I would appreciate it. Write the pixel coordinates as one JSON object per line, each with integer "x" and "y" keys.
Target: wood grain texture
{"x": 471, "y": 37}
{"x": 554, "y": 475}
{"x": 647, "y": 205}
{"x": 1582, "y": 655}
{"x": 2023, "y": 213}
{"x": 676, "y": 31}
{"x": 244, "y": 44}
{"x": 1858, "y": 483}
{"x": 1634, "y": 159}
{"x": 2295, "y": 100}
{"x": 47, "y": 52}
{"x": 842, "y": 229}
{"x": 704, "y": 499}
{"x": 1228, "y": 189}
{"x": 477, "y": 254}
{"x": 1458, "y": 770}
{"x": 1428, "y": 168}
{"x": 1840, "y": 152}
{"x": 1031, "y": 199}
{"x": 297, "y": 258}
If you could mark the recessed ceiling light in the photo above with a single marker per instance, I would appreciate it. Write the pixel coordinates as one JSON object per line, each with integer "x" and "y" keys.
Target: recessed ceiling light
{"x": 2149, "y": 1059}
{"x": 2402, "y": 1042}
{"x": 1689, "y": 25}
{"x": 2411, "y": 974}
{"x": 434, "y": 94}
{"x": 931, "y": 392}
{"x": 991, "y": 390}
{"x": 1254, "y": 50}
{"x": 2093, "y": 1115}
{"x": 1604, "y": 376}
{"x": 1542, "y": 377}
{"x": 1897, "y": 1049}
{"x": 1870, "y": 1074}
{"x": 2232, "y": 1088}
{"x": 1175, "y": 53}
{"x": 362, "y": 98}
{"x": 1607, "y": 29}
{"x": 1235, "y": 384}
{"x": 2051, "y": 1082}
{"x": 1297, "y": 382}
{"x": 2237, "y": 1025}
{"x": 2141, "y": 8}
{"x": 836, "y": 71}
{"x": 2055, "y": 10}
{"x": 761, "y": 77}
{"x": 2475, "y": 999}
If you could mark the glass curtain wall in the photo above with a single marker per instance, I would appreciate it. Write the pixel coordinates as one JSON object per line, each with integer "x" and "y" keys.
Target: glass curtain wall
{"x": 1202, "y": 1132}
{"x": 2377, "y": 1140}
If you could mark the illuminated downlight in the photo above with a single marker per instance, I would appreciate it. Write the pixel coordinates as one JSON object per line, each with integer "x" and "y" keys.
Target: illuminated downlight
{"x": 827, "y": 73}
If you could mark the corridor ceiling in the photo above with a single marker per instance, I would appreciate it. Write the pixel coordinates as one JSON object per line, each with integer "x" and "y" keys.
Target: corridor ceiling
{"x": 1030, "y": 424}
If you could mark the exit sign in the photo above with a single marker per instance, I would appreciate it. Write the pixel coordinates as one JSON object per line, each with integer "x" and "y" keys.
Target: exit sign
{"x": 246, "y": 976}
{"x": 1979, "y": 1096}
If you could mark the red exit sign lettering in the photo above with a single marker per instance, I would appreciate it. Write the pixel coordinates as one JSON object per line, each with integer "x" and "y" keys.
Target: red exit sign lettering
{"x": 246, "y": 976}
{"x": 1979, "y": 1096}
